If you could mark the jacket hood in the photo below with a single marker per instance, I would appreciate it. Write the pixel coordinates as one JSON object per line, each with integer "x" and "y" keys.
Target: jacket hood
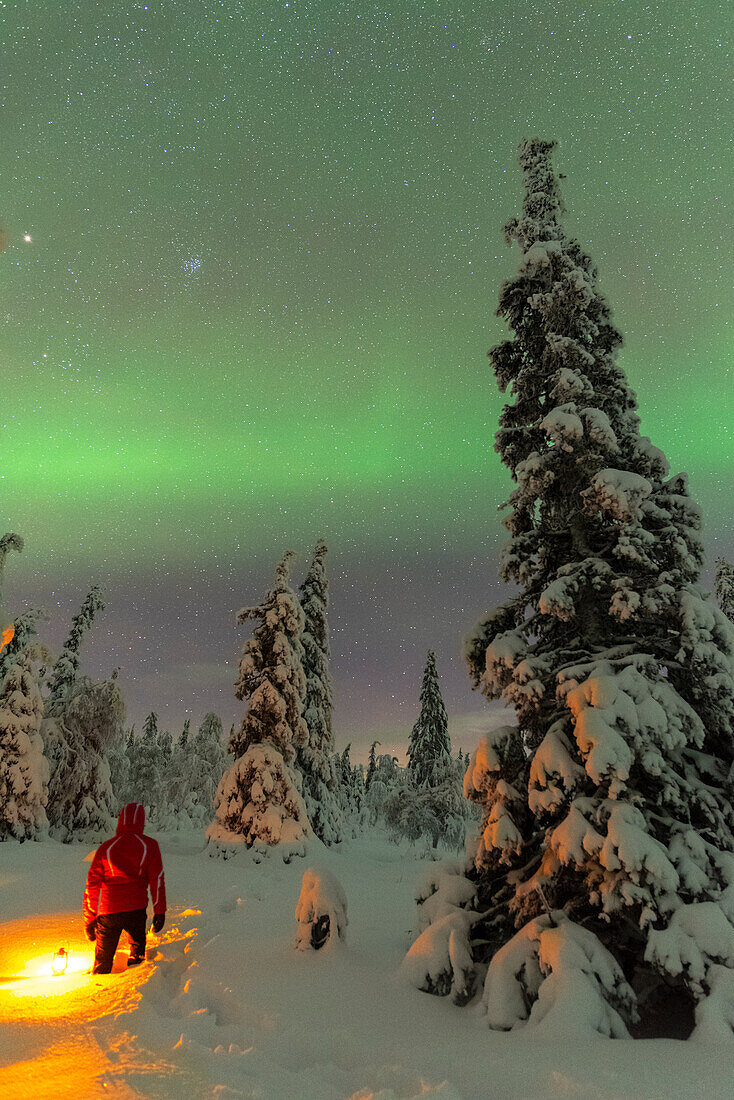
{"x": 132, "y": 818}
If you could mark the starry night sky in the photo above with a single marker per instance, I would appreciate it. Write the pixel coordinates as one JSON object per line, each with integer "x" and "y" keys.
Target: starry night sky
{"x": 264, "y": 258}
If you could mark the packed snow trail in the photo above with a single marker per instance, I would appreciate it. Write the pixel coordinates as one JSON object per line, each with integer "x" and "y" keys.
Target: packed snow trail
{"x": 230, "y": 1008}
{"x": 58, "y": 1032}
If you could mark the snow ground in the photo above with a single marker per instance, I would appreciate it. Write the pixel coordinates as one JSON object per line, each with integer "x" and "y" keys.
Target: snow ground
{"x": 229, "y": 1008}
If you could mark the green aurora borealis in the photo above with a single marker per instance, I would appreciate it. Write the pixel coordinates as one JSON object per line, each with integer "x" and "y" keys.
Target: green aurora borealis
{"x": 266, "y": 248}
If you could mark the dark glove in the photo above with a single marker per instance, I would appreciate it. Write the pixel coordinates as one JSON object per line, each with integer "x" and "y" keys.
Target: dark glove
{"x": 158, "y": 921}
{"x": 91, "y": 930}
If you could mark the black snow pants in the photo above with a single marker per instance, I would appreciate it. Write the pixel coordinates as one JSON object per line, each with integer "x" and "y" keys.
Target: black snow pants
{"x": 108, "y": 928}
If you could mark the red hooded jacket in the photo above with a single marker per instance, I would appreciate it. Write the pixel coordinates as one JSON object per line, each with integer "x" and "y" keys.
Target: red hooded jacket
{"x": 123, "y": 868}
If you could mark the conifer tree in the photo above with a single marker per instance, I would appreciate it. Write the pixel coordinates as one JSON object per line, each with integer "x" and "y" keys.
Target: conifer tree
{"x": 80, "y": 797}
{"x": 8, "y": 542}
{"x": 118, "y": 758}
{"x": 605, "y": 817}
{"x": 258, "y": 800}
{"x": 314, "y": 758}
{"x": 210, "y": 760}
{"x": 83, "y": 798}
{"x": 165, "y": 744}
{"x": 429, "y": 748}
{"x": 371, "y": 766}
{"x": 146, "y": 769}
{"x": 65, "y": 670}
{"x": 23, "y": 767}
{"x": 725, "y": 587}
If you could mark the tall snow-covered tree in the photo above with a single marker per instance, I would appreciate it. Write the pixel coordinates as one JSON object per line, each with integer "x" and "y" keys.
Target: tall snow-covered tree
{"x": 118, "y": 759}
{"x": 66, "y": 667}
{"x": 210, "y": 759}
{"x": 725, "y": 587}
{"x": 429, "y": 748}
{"x": 23, "y": 767}
{"x": 24, "y": 630}
{"x": 84, "y": 802}
{"x": 80, "y": 798}
{"x": 606, "y": 821}
{"x": 371, "y": 765}
{"x": 314, "y": 758}
{"x": 258, "y": 800}
{"x": 435, "y": 809}
{"x": 165, "y": 744}
{"x": 8, "y": 542}
{"x": 146, "y": 769}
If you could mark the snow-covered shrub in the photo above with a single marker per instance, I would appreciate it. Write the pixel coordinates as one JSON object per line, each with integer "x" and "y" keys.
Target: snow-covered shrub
{"x": 558, "y": 978}
{"x": 442, "y": 889}
{"x": 321, "y": 910}
{"x": 440, "y": 961}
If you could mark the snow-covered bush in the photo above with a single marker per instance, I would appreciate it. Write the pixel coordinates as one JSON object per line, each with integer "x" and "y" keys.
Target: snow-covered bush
{"x": 440, "y": 961}
{"x": 556, "y": 977}
{"x": 321, "y": 910}
{"x": 443, "y": 889}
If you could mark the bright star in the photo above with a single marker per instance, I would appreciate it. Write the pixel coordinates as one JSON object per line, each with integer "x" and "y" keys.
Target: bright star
{"x": 27, "y": 238}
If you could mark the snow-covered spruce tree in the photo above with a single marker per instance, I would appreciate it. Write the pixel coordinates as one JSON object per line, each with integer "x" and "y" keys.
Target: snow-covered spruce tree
{"x": 8, "y": 542}
{"x": 65, "y": 670}
{"x": 80, "y": 798}
{"x": 209, "y": 762}
{"x": 725, "y": 587}
{"x": 429, "y": 748}
{"x": 24, "y": 630}
{"x": 606, "y": 805}
{"x": 371, "y": 766}
{"x": 258, "y": 801}
{"x": 165, "y": 744}
{"x": 386, "y": 776}
{"x": 84, "y": 802}
{"x": 435, "y": 809}
{"x": 118, "y": 759}
{"x": 314, "y": 759}
{"x": 23, "y": 767}
{"x": 146, "y": 769}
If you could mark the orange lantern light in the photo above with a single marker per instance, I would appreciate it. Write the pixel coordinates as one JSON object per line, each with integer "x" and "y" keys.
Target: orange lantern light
{"x": 60, "y": 961}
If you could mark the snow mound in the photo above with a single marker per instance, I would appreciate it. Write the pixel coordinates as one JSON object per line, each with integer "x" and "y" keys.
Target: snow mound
{"x": 558, "y": 978}
{"x": 321, "y": 910}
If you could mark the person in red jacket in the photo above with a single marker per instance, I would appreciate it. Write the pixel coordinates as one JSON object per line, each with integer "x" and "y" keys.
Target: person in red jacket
{"x": 116, "y": 898}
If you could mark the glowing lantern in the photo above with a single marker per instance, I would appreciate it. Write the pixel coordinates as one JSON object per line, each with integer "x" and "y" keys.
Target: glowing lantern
{"x": 60, "y": 961}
